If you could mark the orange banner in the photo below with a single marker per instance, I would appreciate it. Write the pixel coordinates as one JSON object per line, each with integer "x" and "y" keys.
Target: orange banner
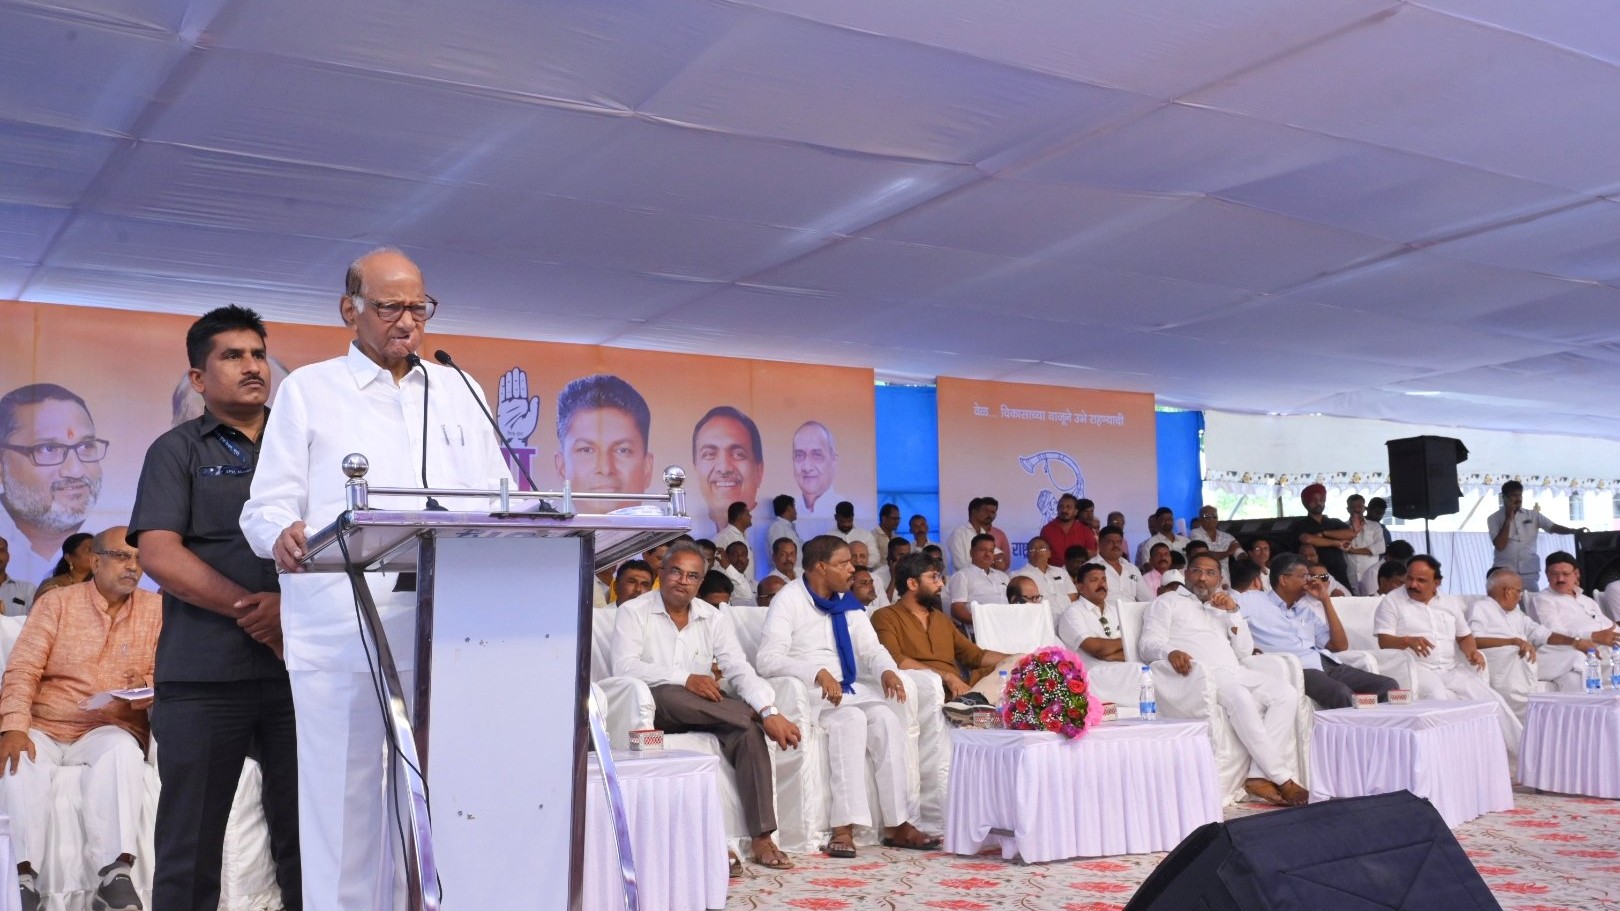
{"x": 1027, "y": 445}
{"x": 772, "y": 428}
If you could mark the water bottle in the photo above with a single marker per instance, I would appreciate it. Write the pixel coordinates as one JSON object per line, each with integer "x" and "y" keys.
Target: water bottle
{"x": 1146, "y": 704}
{"x": 1593, "y": 681}
{"x": 1003, "y": 697}
{"x": 1614, "y": 671}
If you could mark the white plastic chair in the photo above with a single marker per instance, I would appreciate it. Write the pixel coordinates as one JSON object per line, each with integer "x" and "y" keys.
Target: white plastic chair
{"x": 1012, "y": 629}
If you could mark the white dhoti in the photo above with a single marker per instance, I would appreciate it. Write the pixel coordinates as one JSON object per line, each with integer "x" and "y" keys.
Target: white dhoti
{"x": 114, "y": 784}
{"x": 1263, "y": 711}
{"x": 1463, "y": 681}
{"x": 933, "y": 752}
{"x": 861, "y": 730}
{"x": 348, "y": 837}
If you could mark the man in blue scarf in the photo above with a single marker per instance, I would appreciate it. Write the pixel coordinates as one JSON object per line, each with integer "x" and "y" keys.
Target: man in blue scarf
{"x": 817, "y": 632}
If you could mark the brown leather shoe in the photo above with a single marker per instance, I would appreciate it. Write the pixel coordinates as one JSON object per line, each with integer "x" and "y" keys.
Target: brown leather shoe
{"x": 1296, "y": 795}
{"x": 1264, "y": 791}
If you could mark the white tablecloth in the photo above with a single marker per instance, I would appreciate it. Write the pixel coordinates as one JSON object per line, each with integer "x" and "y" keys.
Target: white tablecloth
{"x": 1127, "y": 787}
{"x": 1449, "y": 752}
{"x": 1572, "y": 744}
{"x": 677, "y": 835}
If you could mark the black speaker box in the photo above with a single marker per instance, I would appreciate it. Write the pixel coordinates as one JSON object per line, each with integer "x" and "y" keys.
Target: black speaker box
{"x": 1389, "y": 851}
{"x": 1423, "y": 476}
{"x": 1598, "y": 553}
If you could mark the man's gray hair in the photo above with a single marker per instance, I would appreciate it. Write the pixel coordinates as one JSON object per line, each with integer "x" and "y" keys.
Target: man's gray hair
{"x": 352, "y": 278}
{"x": 1498, "y": 574}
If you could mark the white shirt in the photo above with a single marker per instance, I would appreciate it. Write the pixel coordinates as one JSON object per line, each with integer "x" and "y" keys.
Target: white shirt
{"x": 1371, "y": 537}
{"x": 25, "y": 563}
{"x": 959, "y": 546}
{"x": 881, "y": 555}
{"x": 1487, "y": 618}
{"x": 778, "y": 574}
{"x": 1609, "y": 599}
{"x": 1124, "y": 584}
{"x": 648, "y": 647}
{"x": 1177, "y": 543}
{"x": 742, "y": 588}
{"x": 1082, "y": 620}
{"x": 1369, "y": 579}
{"x": 975, "y": 584}
{"x": 1056, "y": 587}
{"x": 797, "y": 640}
{"x": 782, "y": 528}
{"x": 728, "y": 536}
{"x": 865, "y": 537}
{"x": 1177, "y": 621}
{"x": 1520, "y": 552}
{"x": 884, "y": 580}
{"x": 1441, "y": 621}
{"x": 324, "y": 412}
{"x": 17, "y": 596}
{"x": 1572, "y": 615}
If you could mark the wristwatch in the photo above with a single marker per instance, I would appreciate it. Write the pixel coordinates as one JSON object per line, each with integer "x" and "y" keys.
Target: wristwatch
{"x": 768, "y": 711}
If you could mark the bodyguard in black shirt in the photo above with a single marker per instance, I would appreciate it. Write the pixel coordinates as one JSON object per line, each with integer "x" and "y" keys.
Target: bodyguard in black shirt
{"x": 1329, "y": 536}
{"x": 222, "y": 690}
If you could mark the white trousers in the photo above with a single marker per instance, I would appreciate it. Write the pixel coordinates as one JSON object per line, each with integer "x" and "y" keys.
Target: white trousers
{"x": 1263, "y": 711}
{"x": 933, "y": 751}
{"x": 113, "y": 785}
{"x": 865, "y": 729}
{"x": 1463, "y": 681}
{"x": 1563, "y": 667}
{"x": 348, "y": 835}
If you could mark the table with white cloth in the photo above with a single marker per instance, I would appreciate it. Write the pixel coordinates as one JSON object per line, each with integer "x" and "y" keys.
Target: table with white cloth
{"x": 1450, "y": 752}
{"x": 1125, "y": 787}
{"x": 1572, "y": 743}
{"x": 677, "y": 833}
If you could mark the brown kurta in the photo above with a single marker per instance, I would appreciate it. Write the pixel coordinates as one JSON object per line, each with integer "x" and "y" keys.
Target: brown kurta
{"x": 938, "y": 645}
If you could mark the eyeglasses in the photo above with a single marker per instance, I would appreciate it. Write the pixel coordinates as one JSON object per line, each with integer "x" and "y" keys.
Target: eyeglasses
{"x": 47, "y": 454}
{"x": 391, "y": 311}
{"x": 1319, "y": 577}
{"x": 676, "y": 575}
{"x": 1203, "y": 572}
{"x": 119, "y": 556}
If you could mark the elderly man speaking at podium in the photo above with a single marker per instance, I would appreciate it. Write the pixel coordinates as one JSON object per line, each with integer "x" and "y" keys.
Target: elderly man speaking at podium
{"x": 417, "y": 424}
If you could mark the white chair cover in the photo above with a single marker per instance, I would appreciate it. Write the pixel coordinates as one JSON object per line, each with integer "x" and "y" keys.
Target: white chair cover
{"x": 1012, "y": 628}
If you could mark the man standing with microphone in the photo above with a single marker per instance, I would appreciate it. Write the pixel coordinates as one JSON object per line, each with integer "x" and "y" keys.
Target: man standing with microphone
{"x": 374, "y": 400}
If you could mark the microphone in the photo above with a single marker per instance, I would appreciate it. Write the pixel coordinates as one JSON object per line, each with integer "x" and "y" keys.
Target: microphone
{"x": 443, "y": 357}
{"x": 414, "y": 363}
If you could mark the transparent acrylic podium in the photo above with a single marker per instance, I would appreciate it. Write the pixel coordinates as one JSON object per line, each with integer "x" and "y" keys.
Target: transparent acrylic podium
{"x": 498, "y": 722}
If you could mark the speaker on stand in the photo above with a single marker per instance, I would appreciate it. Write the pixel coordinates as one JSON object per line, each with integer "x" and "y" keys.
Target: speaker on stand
{"x": 1423, "y": 479}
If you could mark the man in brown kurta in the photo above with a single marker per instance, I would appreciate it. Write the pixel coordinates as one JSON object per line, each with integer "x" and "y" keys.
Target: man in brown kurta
{"x": 919, "y": 635}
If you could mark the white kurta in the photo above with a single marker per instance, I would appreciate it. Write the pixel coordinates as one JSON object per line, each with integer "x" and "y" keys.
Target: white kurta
{"x": 1573, "y": 615}
{"x": 1125, "y": 583}
{"x": 731, "y": 533}
{"x": 1055, "y": 585}
{"x": 323, "y": 412}
{"x": 1444, "y": 673}
{"x": 1560, "y": 665}
{"x": 743, "y": 593}
{"x": 971, "y": 584}
{"x": 865, "y": 730}
{"x": 1371, "y": 537}
{"x": 959, "y": 546}
{"x": 1263, "y": 710}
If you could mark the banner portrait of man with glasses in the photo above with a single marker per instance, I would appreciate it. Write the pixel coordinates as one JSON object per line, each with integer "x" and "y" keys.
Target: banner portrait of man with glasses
{"x": 50, "y": 473}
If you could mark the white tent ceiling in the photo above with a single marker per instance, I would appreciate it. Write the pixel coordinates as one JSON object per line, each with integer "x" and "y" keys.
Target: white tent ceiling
{"x": 1357, "y": 207}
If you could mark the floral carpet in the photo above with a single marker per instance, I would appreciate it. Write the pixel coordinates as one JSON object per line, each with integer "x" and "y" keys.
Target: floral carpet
{"x": 1550, "y": 853}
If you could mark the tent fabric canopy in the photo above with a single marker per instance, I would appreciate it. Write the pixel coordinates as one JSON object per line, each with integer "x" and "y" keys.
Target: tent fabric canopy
{"x": 1399, "y": 210}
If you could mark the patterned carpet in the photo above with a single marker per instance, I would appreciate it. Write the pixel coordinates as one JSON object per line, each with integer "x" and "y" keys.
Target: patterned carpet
{"x": 1550, "y": 853}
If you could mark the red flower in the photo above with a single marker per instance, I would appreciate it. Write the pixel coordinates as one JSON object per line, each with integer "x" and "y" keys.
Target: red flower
{"x": 1076, "y": 686}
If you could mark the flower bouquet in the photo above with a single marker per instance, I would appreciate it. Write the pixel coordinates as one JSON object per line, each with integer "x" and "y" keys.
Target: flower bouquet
{"x": 1047, "y": 691}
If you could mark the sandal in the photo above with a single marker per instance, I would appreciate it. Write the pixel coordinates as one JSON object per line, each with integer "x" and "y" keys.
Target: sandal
{"x": 928, "y": 843}
{"x": 840, "y": 846}
{"x": 734, "y": 865}
{"x": 776, "y": 861}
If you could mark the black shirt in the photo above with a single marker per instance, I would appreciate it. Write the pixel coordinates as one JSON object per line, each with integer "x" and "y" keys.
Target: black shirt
{"x": 194, "y": 483}
{"x": 1332, "y": 558}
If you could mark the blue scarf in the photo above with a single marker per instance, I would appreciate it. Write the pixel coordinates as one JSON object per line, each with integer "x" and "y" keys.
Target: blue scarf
{"x": 837, "y": 608}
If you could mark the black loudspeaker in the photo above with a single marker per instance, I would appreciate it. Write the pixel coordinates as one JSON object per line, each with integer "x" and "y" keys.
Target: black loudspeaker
{"x": 1389, "y": 851}
{"x": 1598, "y": 553}
{"x": 1423, "y": 476}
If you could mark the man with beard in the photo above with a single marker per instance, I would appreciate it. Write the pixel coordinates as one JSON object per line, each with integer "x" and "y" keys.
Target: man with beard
{"x": 50, "y": 469}
{"x": 81, "y": 640}
{"x": 1072, "y": 526}
{"x": 1329, "y": 536}
{"x": 918, "y": 635}
{"x": 1204, "y": 626}
{"x": 818, "y": 633}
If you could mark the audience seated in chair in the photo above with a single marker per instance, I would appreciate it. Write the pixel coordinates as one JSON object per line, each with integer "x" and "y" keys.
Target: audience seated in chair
{"x": 1283, "y": 620}
{"x": 784, "y": 560}
{"x": 978, "y": 580}
{"x": 919, "y": 636}
{"x": 1057, "y": 588}
{"x": 816, "y": 632}
{"x": 715, "y": 589}
{"x": 1203, "y": 626}
{"x": 1498, "y": 620}
{"x": 1124, "y": 579}
{"x": 736, "y": 565}
{"x": 1564, "y": 609}
{"x": 671, "y": 640}
{"x": 768, "y": 587}
{"x": 1434, "y": 628}
{"x": 81, "y": 640}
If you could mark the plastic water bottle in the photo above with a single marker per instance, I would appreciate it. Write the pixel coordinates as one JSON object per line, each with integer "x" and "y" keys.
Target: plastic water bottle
{"x": 1146, "y": 703}
{"x": 1003, "y": 697}
{"x": 1594, "y": 683}
{"x": 1614, "y": 671}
